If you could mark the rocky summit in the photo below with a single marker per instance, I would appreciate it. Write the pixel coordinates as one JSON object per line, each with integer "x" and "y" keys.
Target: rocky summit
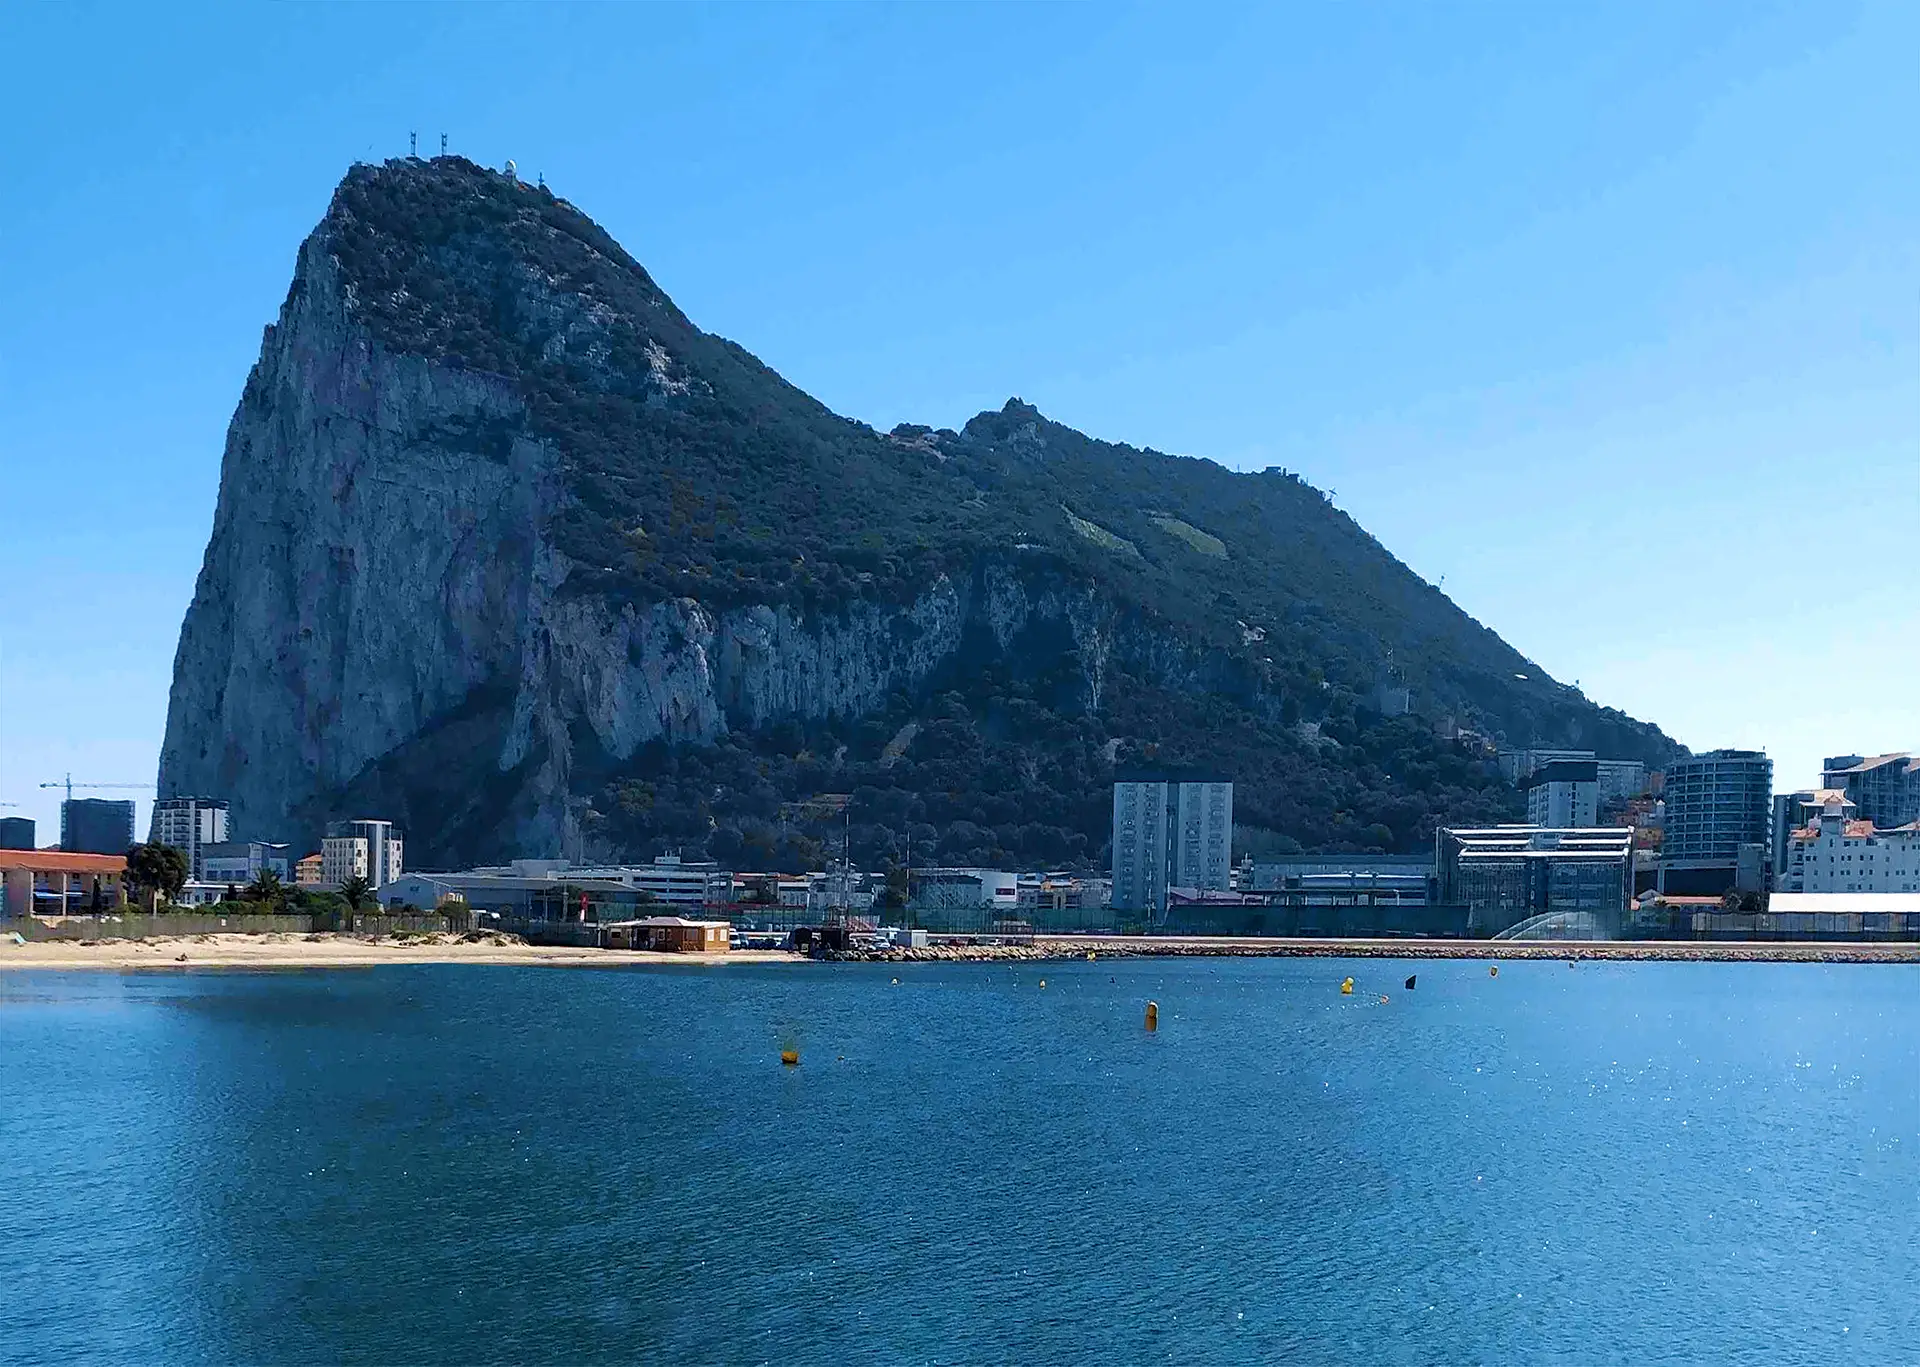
{"x": 508, "y": 550}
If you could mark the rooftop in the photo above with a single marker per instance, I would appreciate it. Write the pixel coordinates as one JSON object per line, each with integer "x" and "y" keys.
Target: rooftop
{"x": 1860, "y": 766}
{"x": 61, "y": 861}
{"x": 1899, "y": 903}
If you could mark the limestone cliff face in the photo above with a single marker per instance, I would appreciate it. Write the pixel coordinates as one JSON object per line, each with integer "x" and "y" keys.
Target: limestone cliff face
{"x": 361, "y": 579}
{"x": 367, "y": 577}
{"x": 501, "y": 533}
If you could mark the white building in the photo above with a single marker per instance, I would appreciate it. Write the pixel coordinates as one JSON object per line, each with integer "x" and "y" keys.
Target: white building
{"x": 195, "y": 893}
{"x": 667, "y": 881}
{"x": 1170, "y": 830}
{"x": 673, "y": 882}
{"x": 965, "y": 889}
{"x": 342, "y": 859}
{"x": 1564, "y": 795}
{"x": 1839, "y": 854}
{"x": 363, "y": 848}
{"x": 239, "y": 862}
{"x": 1793, "y": 811}
{"x": 189, "y": 824}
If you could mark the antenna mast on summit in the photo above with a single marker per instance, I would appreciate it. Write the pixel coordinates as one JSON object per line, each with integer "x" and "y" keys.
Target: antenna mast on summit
{"x": 413, "y": 144}
{"x": 443, "y": 144}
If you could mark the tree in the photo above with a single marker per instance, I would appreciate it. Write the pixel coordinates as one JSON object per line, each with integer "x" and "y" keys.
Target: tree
{"x": 156, "y": 870}
{"x": 357, "y": 890}
{"x": 266, "y": 888}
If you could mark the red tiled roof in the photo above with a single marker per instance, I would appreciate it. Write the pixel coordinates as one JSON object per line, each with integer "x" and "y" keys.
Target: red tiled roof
{"x": 60, "y": 861}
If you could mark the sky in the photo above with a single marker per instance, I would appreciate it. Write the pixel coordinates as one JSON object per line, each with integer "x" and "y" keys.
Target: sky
{"x": 1606, "y": 318}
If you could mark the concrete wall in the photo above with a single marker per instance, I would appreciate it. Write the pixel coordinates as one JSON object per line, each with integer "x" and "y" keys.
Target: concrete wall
{"x": 139, "y": 925}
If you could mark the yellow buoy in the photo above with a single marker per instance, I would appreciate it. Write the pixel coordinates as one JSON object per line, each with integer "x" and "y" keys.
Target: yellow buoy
{"x": 1153, "y": 1015}
{"x": 1346, "y": 987}
{"x": 1493, "y": 970}
{"x": 1089, "y": 956}
{"x": 790, "y": 1057}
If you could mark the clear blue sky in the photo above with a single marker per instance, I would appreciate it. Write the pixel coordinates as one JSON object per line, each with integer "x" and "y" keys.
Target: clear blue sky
{"x": 1610, "y": 317}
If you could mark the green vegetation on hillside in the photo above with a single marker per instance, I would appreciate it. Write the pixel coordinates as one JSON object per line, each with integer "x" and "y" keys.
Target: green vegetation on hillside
{"x": 693, "y": 470}
{"x": 995, "y": 778}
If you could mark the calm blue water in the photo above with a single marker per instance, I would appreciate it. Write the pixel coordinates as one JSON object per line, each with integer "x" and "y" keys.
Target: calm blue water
{"x": 1606, "y": 1164}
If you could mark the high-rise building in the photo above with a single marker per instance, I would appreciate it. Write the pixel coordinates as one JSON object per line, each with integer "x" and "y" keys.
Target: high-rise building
{"x": 189, "y": 824}
{"x": 1884, "y": 789}
{"x": 1564, "y": 794}
{"x": 1719, "y": 820}
{"x": 96, "y": 825}
{"x": 1170, "y": 830}
{"x": 364, "y": 848}
{"x": 16, "y": 832}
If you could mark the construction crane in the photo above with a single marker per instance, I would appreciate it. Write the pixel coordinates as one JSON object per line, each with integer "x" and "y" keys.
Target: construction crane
{"x": 70, "y": 785}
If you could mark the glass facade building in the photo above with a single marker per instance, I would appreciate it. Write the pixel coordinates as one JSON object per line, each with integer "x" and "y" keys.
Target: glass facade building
{"x": 94, "y": 825}
{"x": 1504, "y": 876}
{"x": 1717, "y": 802}
{"x": 1884, "y": 789}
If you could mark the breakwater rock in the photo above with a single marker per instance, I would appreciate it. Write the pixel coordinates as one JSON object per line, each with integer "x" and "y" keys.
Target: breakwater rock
{"x": 1041, "y": 950}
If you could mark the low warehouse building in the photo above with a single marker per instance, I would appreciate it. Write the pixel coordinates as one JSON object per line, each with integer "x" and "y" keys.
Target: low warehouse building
{"x": 668, "y": 934}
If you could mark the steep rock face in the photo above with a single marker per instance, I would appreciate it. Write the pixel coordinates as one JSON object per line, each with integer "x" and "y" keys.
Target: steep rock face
{"x": 361, "y": 578}
{"x": 364, "y": 578}
{"x": 500, "y": 534}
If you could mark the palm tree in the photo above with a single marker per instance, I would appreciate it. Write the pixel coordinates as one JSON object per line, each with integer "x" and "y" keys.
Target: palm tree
{"x": 357, "y": 890}
{"x": 266, "y": 888}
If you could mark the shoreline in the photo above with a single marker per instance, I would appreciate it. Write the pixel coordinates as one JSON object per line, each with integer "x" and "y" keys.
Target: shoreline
{"x": 282, "y": 951}
{"x": 287, "y": 951}
{"x": 1676, "y": 951}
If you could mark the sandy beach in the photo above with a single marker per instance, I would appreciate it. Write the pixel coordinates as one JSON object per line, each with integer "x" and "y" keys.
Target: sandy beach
{"x": 349, "y": 951}
{"x": 337, "y": 951}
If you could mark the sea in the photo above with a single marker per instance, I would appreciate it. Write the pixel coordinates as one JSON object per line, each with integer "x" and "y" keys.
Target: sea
{"x": 971, "y": 1163}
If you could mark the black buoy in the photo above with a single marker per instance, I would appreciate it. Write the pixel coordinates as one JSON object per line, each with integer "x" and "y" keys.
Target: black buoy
{"x": 1410, "y": 978}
